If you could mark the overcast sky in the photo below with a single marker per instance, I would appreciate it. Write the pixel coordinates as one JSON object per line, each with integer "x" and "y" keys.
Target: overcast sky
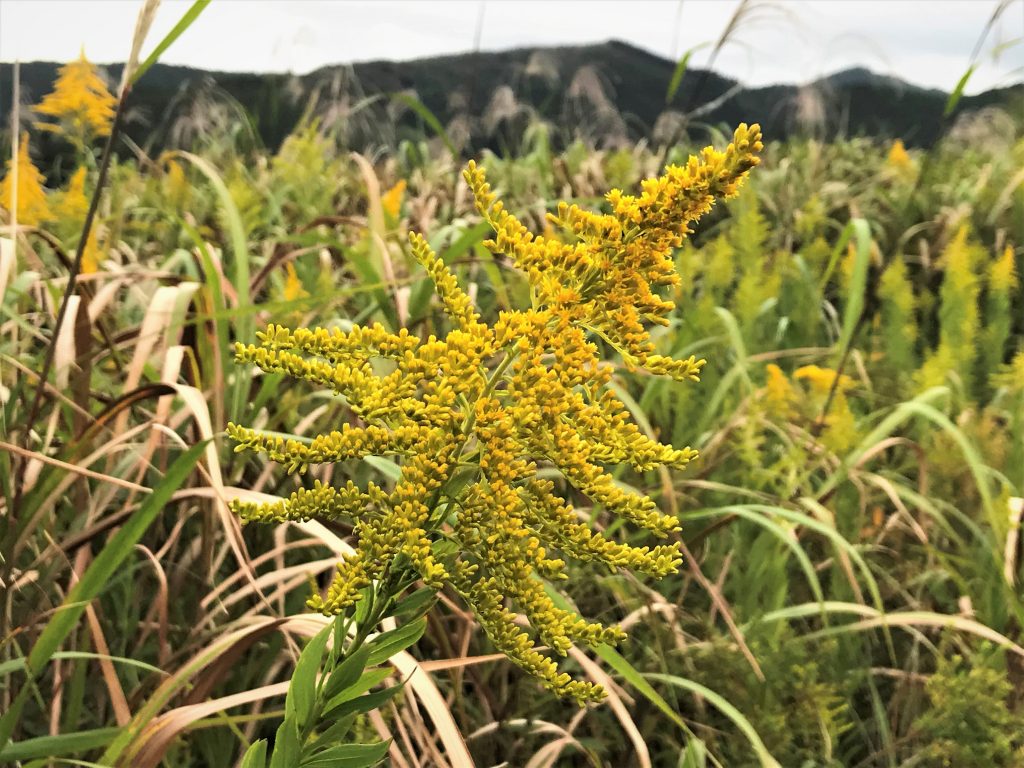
{"x": 927, "y": 42}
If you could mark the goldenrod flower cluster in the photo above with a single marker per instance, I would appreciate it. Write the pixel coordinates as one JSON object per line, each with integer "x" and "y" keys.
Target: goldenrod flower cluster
{"x": 33, "y": 207}
{"x": 802, "y": 399}
{"x": 80, "y": 102}
{"x": 474, "y": 415}
{"x": 899, "y": 160}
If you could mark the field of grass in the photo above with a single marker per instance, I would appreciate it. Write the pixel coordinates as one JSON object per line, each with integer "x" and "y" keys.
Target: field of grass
{"x": 849, "y": 593}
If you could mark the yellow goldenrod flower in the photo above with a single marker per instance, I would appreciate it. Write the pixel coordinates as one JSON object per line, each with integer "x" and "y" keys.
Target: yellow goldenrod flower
{"x": 998, "y": 323}
{"x": 899, "y": 325}
{"x": 822, "y": 379}
{"x": 69, "y": 208}
{"x": 293, "y": 289}
{"x": 80, "y": 102}
{"x": 840, "y": 426}
{"x": 472, "y": 417}
{"x": 899, "y": 159}
{"x": 778, "y": 392}
{"x": 392, "y": 200}
{"x": 176, "y": 186}
{"x": 72, "y": 204}
{"x": 959, "y": 314}
{"x": 91, "y": 254}
{"x": 32, "y": 204}
{"x": 1002, "y": 275}
{"x": 1011, "y": 375}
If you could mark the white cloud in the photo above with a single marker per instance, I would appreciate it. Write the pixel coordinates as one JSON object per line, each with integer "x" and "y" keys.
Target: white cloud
{"x": 927, "y": 42}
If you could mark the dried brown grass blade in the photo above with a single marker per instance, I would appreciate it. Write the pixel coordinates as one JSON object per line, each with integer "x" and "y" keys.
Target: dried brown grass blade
{"x": 164, "y": 729}
{"x": 594, "y": 672}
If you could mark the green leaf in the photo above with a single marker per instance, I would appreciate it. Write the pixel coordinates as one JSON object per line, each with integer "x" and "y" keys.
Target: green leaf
{"x": 347, "y": 673}
{"x": 337, "y": 731}
{"x": 782, "y": 534}
{"x": 54, "y": 746}
{"x": 695, "y": 755}
{"x": 858, "y": 284}
{"x": 348, "y": 756}
{"x": 240, "y": 255}
{"x": 429, "y": 118}
{"x": 726, "y": 707}
{"x": 466, "y": 241}
{"x": 302, "y": 690}
{"x": 184, "y": 23}
{"x": 287, "y": 748}
{"x": 96, "y": 576}
{"x": 677, "y": 75}
{"x": 958, "y": 92}
{"x": 417, "y": 604}
{"x": 213, "y": 285}
{"x": 631, "y": 674}
{"x": 366, "y": 681}
{"x": 367, "y": 703}
{"x": 21, "y": 665}
{"x": 386, "y": 467}
{"x": 256, "y": 755}
{"x": 386, "y": 645}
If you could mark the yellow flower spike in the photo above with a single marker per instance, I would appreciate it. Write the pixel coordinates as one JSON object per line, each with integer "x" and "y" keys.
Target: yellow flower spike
{"x": 457, "y": 304}
{"x": 33, "y": 207}
{"x": 778, "y": 393}
{"x": 293, "y": 289}
{"x": 71, "y": 205}
{"x": 91, "y": 254}
{"x": 391, "y": 201}
{"x": 472, "y": 416}
{"x": 899, "y": 159}
{"x": 176, "y": 186}
{"x": 1002, "y": 274}
{"x": 80, "y": 102}
{"x": 821, "y": 379}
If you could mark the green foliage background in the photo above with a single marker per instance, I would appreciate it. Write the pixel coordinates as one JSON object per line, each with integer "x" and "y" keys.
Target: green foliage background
{"x": 852, "y": 593}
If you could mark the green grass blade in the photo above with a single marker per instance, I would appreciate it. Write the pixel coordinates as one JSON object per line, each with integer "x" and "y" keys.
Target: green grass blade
{"x": 858, "y": 284}
{"x": 958, "y": 91}
{"x": 241, "y": 274}
{"x": 728, "y": 709}
{"x": 428, "y": 117}
{"x": 55, "y": 746}
{"x": 184, "y": 23}
{"x": 776, "y": 530}
{"x": 96, "y": 577}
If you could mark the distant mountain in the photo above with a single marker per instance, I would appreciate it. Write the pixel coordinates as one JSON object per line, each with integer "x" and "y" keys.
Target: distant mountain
{"x": 862, "y": 76}
{"x": 610, "y": 92}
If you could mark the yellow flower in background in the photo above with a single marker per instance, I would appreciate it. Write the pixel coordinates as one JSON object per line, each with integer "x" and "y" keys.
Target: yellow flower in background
{"x": 840, "y": 431}
{"x": 80, "y": 102}
{"x": 1011, "y": 375}
{"x": 392, "y": 200}
{"x": 69, "y": 208}
{"x": 1002, "y": 274}
{"x": 899, "y": 159}
{"x": 176, "y": 185}
{"x": 779, "y": 395}
{"x": 292, "y": 285}
{"x": 820, "y": 379}
{"x": 473, "y": 415}
{"x": 91, "y": 254}
{"x": 33, "y": 207}
{"x": 71, "y": 204}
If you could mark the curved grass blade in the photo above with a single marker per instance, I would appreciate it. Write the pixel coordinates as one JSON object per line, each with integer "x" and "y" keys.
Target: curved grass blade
{"x": 728, "y": 709}
{"x": 96, "y": 577}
